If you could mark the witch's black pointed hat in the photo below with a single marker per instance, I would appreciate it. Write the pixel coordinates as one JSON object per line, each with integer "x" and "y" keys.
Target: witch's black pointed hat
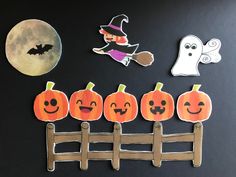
{"x": 115, "y": 25}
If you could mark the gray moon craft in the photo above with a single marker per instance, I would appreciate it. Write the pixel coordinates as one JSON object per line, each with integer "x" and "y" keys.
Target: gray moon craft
{"x": 33, "y": 47}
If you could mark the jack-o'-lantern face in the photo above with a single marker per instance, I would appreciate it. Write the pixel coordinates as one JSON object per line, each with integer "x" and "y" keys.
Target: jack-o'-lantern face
{"x": 157, "y": 105}
{"x": 51, "y": 105}
{"x": 86, "y": 104}
{"x": 86, "y": 109}
{"x": 194, "y": 106}
{"x": 120, "y": 109}
{"x": 120, "y": 106}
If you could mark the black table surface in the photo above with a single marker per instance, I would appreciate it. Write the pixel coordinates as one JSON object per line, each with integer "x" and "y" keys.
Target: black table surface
{"x": 158, "y": 27}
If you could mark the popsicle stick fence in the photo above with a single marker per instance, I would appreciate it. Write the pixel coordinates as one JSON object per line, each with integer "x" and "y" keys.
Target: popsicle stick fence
{"x": 156, "y": 139}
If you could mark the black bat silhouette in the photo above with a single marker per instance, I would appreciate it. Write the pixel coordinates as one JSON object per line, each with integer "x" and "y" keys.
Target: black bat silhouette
{"x": 40, "y": 49}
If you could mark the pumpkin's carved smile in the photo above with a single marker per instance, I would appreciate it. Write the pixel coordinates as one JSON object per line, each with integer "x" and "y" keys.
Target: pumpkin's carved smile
{"x": 120, "y": 111}
{"x": 85, "y": 109}
{"x": 51, "y": 112}
{"x": 197, "y": 112}
{"x": 157, "y": 109}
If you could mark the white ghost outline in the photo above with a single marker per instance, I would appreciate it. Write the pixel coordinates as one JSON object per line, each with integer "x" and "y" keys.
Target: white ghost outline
{"x": 189, "y": 58}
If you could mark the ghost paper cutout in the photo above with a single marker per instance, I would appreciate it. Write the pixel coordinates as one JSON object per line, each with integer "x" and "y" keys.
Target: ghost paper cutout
{"x": 192, "y": 52}
{"x": 118, "y": 47}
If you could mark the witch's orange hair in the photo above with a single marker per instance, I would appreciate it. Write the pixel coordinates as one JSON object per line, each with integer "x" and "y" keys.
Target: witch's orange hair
{"x": 119, "y": 39}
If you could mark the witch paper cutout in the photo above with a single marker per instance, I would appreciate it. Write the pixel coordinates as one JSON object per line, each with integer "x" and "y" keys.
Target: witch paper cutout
{"x": 192, "y": 52}
{"x": 118, "y": 46}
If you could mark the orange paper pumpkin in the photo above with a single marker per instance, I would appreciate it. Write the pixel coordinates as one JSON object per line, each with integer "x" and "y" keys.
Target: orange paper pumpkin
{"x": 194, "y": 106}
{"x": 120, "y": 106}
{"x": 86, "y": 104}
{"x": 51, "y": 105}
{"x": 157, "y": 105}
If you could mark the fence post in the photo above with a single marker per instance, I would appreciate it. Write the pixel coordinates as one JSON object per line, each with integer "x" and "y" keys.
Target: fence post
{"x": 157, "y": 144}
{"x": 84, "y": 149}
{"x": 116, "y": 146}
{"x": 50, "y": 130}
{"x": 197, "y": 145}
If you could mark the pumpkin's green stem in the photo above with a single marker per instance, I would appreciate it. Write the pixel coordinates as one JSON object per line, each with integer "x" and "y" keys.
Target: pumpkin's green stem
{"x": 90, "y": 86}
{"x": 121, "y": 88}
{"x": 159, "y": 86}
{"x": 196, "y": 87}
{"x": 50, "y": 85}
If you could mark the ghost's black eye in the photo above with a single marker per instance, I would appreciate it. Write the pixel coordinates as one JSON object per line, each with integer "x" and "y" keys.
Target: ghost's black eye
{"x": 53, "y": 102}
{"x": 186, "y": 104}
{"x": 151, "y": 103}
{"x": 194, "y": 46}
{"x": 187, "y": 46}
{"x": 163, "y": 102}
{"x": 201, "y": 103}
{"x": 46, "y": 103}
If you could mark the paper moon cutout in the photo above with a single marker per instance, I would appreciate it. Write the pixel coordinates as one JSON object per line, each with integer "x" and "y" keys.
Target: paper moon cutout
{"x": 33, "y": 47}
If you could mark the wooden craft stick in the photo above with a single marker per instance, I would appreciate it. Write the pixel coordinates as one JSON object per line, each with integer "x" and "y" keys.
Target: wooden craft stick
{"x": 156, "y": 139}
{"x": 100, "y": 155}
{"x": 175, "y": 156}
{"x": 157, "y": 144}
{"x": 85, "y": 129}
{"x": 116, "y": 146}
{"x": 50, "y": 146}
{"x": 197, "y": 145}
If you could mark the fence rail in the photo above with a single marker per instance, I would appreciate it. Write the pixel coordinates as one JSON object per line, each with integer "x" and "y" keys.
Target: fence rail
{"x": 156, "y": 139}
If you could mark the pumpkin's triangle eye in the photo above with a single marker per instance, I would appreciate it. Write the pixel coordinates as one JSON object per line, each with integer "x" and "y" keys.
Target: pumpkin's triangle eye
{"x": 201, "y": 103}
{"x": 187, "y": 104}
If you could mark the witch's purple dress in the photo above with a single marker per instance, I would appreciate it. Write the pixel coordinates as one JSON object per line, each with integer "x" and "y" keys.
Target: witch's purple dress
{"x": 119, "y": 52}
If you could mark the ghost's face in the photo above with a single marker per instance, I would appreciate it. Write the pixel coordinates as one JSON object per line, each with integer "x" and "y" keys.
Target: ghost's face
{"x": 191, "y": 48}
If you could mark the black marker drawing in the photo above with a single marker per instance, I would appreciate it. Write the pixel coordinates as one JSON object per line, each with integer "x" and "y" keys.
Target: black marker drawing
{"x": 40, "y": 49}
